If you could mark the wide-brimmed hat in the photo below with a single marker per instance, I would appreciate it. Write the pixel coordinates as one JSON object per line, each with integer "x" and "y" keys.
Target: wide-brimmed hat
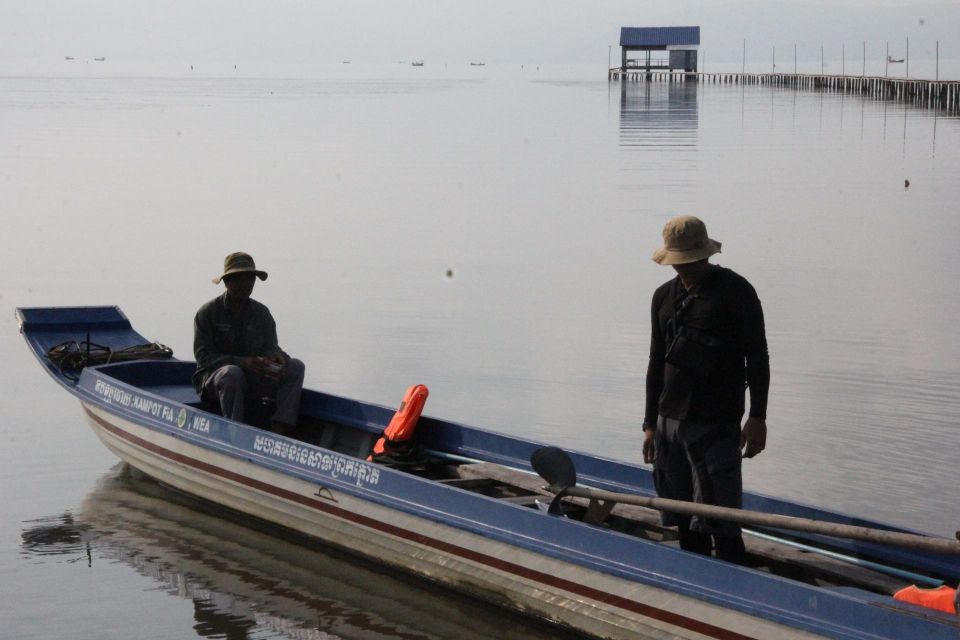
{"x": 239, "y": 262}
{"x": 685, "y": 240}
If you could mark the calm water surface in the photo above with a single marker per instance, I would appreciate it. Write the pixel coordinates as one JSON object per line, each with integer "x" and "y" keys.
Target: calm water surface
{"x": 543, "y": 193}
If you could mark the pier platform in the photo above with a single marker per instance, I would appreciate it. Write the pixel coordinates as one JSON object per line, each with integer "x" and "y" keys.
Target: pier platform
{"x": 935, "y": 94}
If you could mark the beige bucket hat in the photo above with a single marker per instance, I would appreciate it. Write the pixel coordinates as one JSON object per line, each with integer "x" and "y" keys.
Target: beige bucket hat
{"x": 685, "y": 240}
{"x": 239, "y": 262}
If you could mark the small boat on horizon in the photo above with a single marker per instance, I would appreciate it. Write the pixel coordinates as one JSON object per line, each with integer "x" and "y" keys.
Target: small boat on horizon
{"x": 893, "y": 60}
{"x": 417, "y": 63}
{"x": 477, "y": 64}
{"x": 99, "y": 59}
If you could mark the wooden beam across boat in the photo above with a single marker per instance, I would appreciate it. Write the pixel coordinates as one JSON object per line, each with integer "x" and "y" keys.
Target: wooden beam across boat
{"x": 556, "y": 467}
{"x": 776, "y": 521}
{"x": 767, "y": 552}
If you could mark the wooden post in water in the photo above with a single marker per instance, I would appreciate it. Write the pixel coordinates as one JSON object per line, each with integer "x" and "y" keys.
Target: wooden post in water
{"x": 743, "y": 63}
{"x": 843, "y": 59}
{"x": 938, "y": 61}
{"x": 907, "y": 75}
{"x": 886, "y": 66}
{"x": 863, "y": 74}
{"x": 821, "y": 59}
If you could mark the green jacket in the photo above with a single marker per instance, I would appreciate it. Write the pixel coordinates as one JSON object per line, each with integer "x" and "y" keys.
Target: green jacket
{"x": 222, "y": 337}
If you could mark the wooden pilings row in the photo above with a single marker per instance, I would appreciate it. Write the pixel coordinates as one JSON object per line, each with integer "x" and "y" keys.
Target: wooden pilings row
{"x": 940, "y": 94}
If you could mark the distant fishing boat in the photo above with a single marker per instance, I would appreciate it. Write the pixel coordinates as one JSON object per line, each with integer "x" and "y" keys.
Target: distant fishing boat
{"x": 893, "y": 60}
{"x": 417, "y": 63}
{"x": 99, "y": 59}
{"x": 477, "y": 64}
{"x": 68, "y": 57}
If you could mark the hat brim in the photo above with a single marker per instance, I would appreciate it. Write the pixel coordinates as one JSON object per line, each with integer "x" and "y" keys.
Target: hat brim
{"x": 671, "y": 256}
{"x": 260, "y": 274}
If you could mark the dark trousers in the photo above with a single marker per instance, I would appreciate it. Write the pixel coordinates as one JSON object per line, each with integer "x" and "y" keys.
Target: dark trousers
{"x": 231, "y": 387}
{"x": 700, "y": 462}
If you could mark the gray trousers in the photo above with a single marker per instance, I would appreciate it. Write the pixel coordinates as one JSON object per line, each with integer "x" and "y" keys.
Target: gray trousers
{"x": 699, "y": 462}
{"x": 232, "y": 386}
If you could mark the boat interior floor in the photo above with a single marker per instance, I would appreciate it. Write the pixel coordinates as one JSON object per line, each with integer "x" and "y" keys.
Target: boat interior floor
{"x": 778, "y": 558}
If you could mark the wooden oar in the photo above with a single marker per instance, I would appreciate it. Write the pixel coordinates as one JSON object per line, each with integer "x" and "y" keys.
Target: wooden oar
{"x": 556, "y": 467}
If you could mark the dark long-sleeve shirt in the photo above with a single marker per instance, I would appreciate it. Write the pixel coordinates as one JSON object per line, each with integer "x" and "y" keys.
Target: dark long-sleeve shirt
{"x": 724, "y": 305}
{"x": 222, "y": 336}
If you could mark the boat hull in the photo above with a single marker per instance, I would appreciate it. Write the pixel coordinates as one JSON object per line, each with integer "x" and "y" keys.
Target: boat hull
{"x": 587, "y": 601}
{"x": 597, "y": 580}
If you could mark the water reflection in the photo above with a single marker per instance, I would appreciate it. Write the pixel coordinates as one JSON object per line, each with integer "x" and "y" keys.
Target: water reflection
{"x": 658, "y": 114}
{"x": 56, "y": 536}
{"x": 244, "y": 583}
{"x": 659, "y": 145}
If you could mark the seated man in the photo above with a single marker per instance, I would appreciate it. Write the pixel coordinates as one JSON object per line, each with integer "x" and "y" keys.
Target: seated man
{"x": 235, "y": 345}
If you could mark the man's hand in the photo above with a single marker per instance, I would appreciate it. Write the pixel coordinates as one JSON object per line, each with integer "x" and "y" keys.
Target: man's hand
{"x": 253, "y": 364}
{"x": 275, "y": 365}
{"x": 753, "y": 436}
{"x": 269, "y": 367}
{"x": 648, "y": 450}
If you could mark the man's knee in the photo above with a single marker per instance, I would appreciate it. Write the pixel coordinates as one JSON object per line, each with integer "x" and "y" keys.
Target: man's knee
{"x": 230, "y": 377}
{"x": 295, "y": 369}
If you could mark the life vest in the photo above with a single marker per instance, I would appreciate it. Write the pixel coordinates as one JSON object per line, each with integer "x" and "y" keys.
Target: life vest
{"x": 403, "y": 423}
{"x": 942, "y": 598}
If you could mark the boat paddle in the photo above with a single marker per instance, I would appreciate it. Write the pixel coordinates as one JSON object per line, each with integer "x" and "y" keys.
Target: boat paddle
{"x": 556, "y": 467}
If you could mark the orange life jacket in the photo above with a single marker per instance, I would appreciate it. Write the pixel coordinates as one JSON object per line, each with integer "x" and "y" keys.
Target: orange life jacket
{"x": 942, "y": 598}
{"x": 404, "y": 421}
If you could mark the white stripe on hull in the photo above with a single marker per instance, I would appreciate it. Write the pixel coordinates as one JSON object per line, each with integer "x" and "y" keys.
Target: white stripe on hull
{"x": 517, "y": 591}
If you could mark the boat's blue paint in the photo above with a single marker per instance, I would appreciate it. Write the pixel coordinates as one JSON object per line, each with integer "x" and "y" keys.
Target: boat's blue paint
{"x": 157, "y": 395}
{"x": 46, "y": 327}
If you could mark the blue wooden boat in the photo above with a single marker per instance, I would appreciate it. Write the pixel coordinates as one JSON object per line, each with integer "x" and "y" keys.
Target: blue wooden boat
{"x": 469, "y": 513}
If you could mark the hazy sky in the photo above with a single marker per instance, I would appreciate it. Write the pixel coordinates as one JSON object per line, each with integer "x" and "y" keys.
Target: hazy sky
{"x": 547, "y": 31}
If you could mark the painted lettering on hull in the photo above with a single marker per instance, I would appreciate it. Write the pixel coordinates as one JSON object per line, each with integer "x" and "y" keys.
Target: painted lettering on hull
{"x": 335, "y": 466}
{"x": 331, "y": 464}
{"x": 114, "y": 395}
{"x": 200, "y": 423}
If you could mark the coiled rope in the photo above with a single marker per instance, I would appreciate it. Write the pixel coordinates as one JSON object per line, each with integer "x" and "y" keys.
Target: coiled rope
{"x": 72, "y": 356}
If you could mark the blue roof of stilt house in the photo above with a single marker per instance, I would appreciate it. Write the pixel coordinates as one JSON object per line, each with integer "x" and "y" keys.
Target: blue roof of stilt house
{"x": 659, "y": 36}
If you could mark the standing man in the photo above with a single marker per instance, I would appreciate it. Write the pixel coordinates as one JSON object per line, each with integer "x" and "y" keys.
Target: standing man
{"x": 235, "y": 345}
{"x": 707, "y": 342}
